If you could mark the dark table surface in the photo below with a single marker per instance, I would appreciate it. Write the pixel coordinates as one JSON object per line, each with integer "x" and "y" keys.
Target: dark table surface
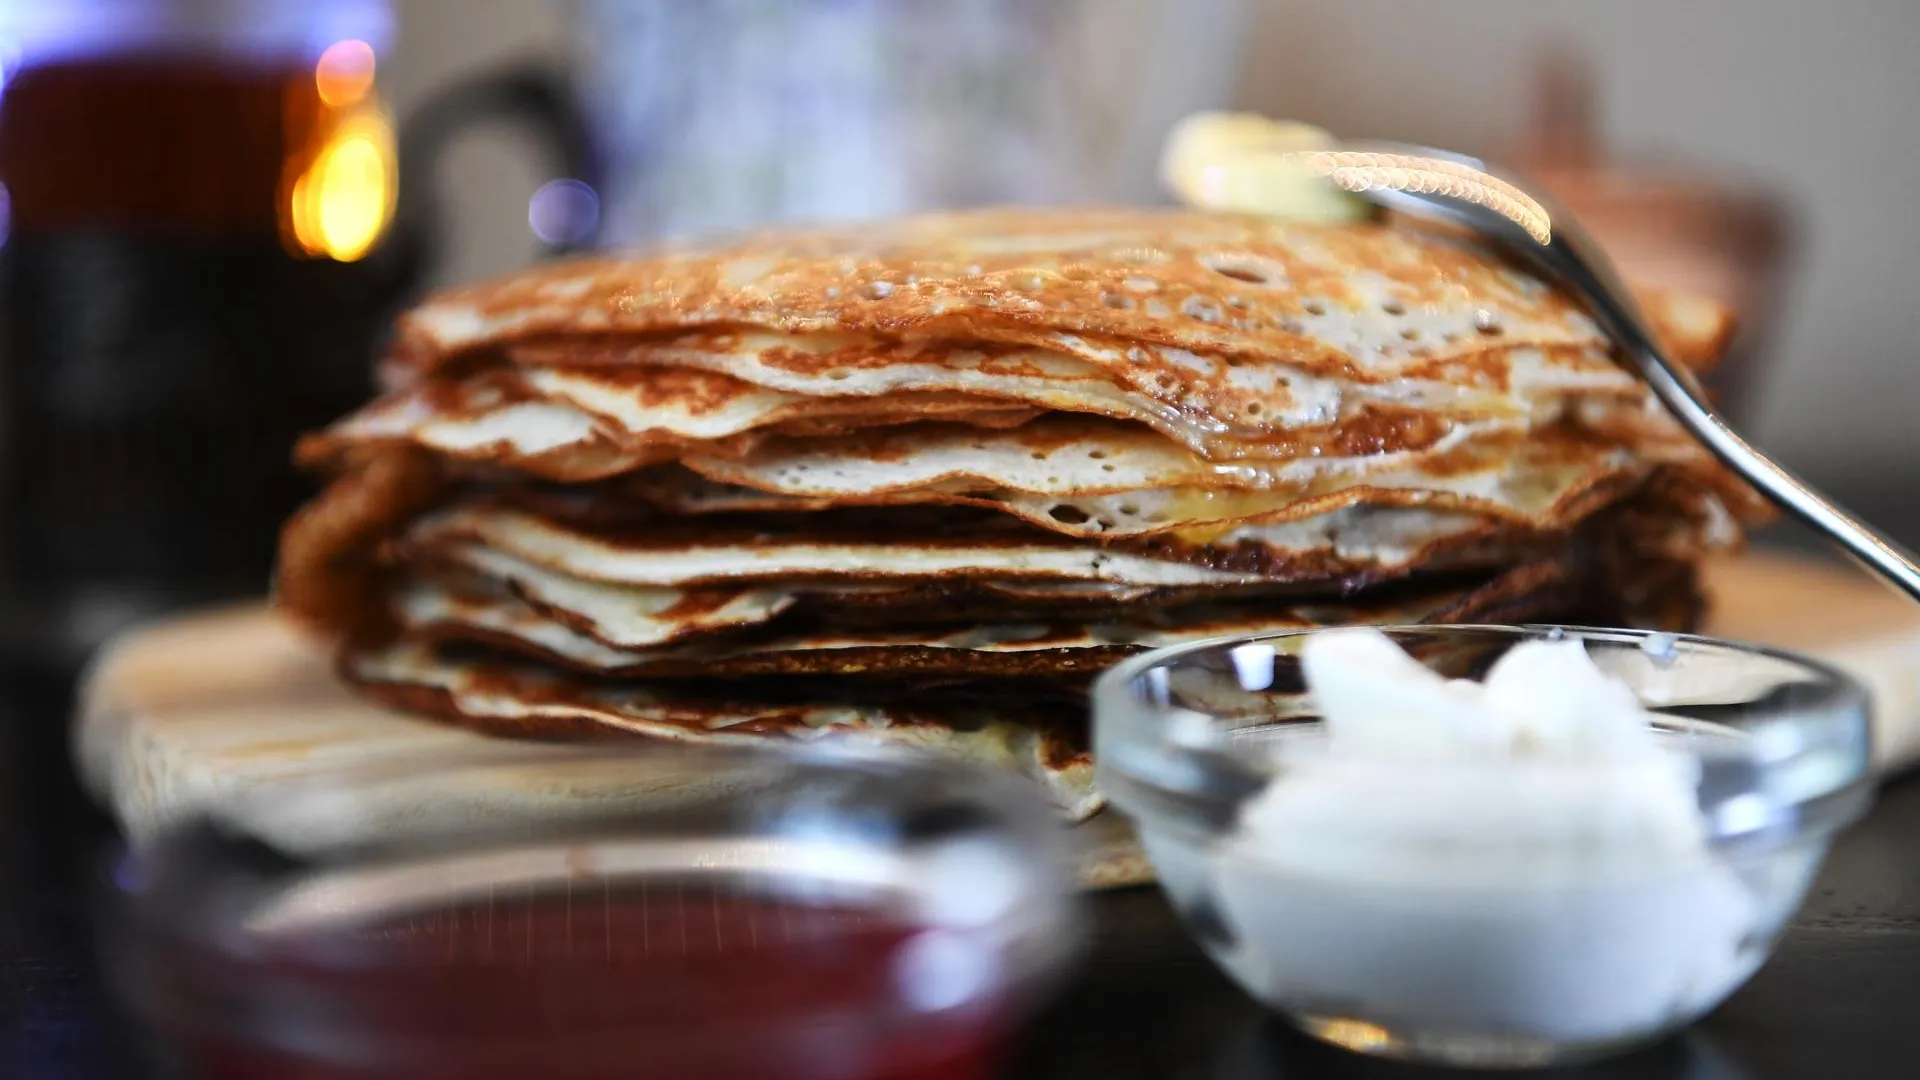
{"x": 1840, "y": 999}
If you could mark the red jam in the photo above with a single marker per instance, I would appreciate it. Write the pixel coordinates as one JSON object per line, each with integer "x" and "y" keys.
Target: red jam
{"x": 664, "y": 980}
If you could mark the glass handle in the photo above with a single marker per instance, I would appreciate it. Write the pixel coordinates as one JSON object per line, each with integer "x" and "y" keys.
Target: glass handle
{"x": 538, "y": 96}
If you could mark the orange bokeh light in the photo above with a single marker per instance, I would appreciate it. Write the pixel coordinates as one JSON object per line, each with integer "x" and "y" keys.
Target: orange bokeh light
{"x": 344, "y": 73}
{"x": 342, "y": 204}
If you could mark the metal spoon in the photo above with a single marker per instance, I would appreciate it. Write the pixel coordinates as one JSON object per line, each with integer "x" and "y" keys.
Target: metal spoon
{"x": 1436, "y": 185}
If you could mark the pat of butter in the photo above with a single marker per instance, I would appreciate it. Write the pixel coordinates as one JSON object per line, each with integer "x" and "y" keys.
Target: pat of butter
{"x": 1246, "y": 162}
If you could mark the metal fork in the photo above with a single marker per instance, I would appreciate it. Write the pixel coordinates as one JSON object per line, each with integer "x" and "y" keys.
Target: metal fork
{"x": 1465, "y": 192}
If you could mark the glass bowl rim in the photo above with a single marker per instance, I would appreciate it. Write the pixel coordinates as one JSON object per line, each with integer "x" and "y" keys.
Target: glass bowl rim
{"x": 1114, "y": 681}
{"x": 1011, "y": 810}
{"x": 1819, "y": 771}
{"x": 826, "y": 756}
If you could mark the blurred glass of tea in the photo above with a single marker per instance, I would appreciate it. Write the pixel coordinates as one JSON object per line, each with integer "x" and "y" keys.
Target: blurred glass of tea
{"x": 193, "y": 190}
{"x": 202, "y": 250}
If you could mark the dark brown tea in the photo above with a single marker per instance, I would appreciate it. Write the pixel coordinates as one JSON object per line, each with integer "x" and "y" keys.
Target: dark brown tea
{"x": 175, "y": 311}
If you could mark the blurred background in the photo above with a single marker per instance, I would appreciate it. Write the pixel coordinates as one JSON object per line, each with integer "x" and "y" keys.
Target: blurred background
{"x": 211, "y": 210}
{"x": 1813, "y": 106}
{"x": 216, "y": 206}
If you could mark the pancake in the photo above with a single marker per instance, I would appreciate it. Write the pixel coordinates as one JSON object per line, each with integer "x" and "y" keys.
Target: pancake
{"x": 567, "y": 426}
{"x": 591, "y": 635}
{"x": 509, "y": 692}
{"x": 1291, "y": 412}
{"x": 641, "y": 404}
{"x": 1351, "y": 541}
{"x": 501, "y": 694}
{"x": 705, "y": 556}
{"x": 623, "y": 616}
{"x": 1090, "y": 478}
{"x": 1077, "y": 475}
{"x": 1328, "y": 300}
{"x": 919, "y": 481}
{"x": 630, "y": 617}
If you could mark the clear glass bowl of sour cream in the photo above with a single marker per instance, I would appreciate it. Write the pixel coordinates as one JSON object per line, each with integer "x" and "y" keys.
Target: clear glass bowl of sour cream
{"x": 1484, "y": 845}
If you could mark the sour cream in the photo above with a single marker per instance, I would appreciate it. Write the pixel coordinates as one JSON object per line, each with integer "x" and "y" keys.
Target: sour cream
{"x": 1523, "y": 856}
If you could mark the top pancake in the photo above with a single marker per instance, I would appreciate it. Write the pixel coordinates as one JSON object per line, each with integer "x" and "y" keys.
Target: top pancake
{"x": 1235, "y": 318}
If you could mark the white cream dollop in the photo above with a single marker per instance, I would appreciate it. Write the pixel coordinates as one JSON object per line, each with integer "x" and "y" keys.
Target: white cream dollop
{"x": 1542, "y": 699}
{"x": 1521, "y": 855}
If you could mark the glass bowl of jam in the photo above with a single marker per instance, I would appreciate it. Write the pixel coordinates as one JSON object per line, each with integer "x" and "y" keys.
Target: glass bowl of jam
{"x": 587, "y": 912}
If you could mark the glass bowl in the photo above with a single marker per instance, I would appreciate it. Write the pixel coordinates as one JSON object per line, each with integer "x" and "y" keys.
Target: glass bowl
{"x": 601, "y": 911}
{"x": 1468, "y": 912}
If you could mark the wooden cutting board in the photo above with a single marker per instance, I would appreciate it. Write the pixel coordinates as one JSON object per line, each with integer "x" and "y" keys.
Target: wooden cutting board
{"x": 186, "y": 716}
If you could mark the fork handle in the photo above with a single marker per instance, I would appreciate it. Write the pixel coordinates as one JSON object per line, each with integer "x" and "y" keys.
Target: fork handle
{"x": 1608, "y": 300}
{"x": 1677, "y": 391}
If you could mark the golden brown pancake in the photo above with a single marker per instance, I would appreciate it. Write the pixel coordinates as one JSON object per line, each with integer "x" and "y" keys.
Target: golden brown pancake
{"x": 1332, "y": 300}
{"x": 508, "y": 695}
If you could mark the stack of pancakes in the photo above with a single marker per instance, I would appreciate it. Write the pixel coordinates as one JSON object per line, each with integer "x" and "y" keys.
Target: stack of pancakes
{"x": 919, "y": 480}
